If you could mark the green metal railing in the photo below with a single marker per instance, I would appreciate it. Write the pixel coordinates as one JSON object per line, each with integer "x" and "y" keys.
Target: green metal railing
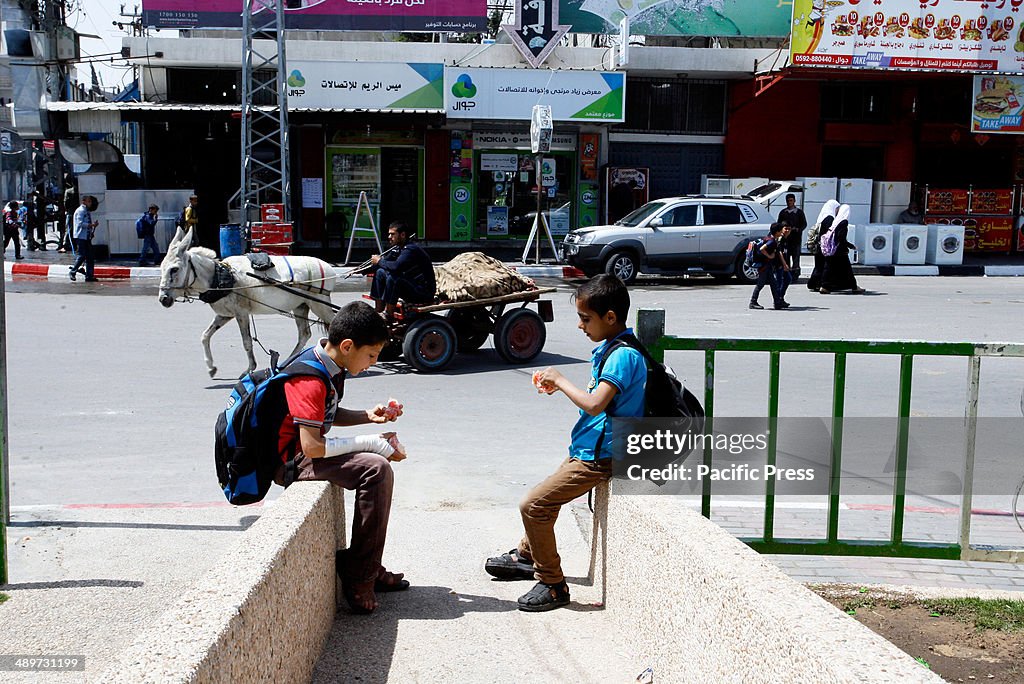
{"x": 651, "y": 331}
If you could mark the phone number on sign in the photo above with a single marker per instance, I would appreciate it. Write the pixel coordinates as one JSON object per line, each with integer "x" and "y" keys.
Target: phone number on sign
{"x": 41, "y": 663}
{"x": 822, "y": 59}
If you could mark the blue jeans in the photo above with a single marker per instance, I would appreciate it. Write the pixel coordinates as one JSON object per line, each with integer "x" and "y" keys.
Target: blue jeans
{"x": 784, "y": 279}
{"x": 766, "y": 276}
{"x": 149, "y": 244}
{"x": 84, "y": 249}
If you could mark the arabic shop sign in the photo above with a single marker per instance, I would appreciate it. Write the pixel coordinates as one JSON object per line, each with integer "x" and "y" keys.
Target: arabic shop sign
{"x": 324, "y": 15}
{"x": 511, "y": 94}
{"x": 933, "y": 35}
{"x": 998, "y": 104}
{"x": 364, "y": 85}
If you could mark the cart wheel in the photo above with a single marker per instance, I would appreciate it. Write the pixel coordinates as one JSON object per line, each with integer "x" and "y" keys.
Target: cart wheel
{"x": 391, "y": 350}
{"x": 519, "y": 335}
{"x": 471, "y": 328}
{"x": 429, "y": 344}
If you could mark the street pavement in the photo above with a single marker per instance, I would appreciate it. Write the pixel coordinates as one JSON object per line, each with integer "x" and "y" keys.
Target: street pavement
{"x": 116, "y": 510}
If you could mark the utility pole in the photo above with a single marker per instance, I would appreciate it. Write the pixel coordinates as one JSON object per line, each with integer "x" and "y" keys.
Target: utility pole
{"x": 263, "y": 129}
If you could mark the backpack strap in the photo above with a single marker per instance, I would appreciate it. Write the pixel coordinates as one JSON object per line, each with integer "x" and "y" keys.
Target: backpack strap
{"x": 624, "y": 340}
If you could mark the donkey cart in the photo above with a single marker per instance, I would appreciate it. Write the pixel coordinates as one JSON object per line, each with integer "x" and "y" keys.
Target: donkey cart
{"x": 428, "y": 336}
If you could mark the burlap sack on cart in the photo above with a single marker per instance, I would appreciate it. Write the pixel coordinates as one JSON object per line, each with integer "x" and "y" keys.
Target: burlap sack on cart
{"x": 474, "y": 275}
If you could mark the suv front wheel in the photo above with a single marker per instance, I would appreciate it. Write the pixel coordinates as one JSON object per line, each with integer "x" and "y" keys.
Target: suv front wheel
{"x": 623, "y": 265}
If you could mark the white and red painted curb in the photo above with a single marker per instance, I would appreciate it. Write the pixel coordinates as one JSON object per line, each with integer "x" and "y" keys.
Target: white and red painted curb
{"x": 548, "y": 271}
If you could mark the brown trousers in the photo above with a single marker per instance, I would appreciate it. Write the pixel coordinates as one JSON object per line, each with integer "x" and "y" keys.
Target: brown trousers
{"x": 371, "y": 477}
{"x": 540, "y": 510}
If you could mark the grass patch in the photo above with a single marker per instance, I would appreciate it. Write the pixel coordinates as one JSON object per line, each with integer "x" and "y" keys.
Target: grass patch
{"x": 4, "y": 597}
{"x": 998, "y": 614}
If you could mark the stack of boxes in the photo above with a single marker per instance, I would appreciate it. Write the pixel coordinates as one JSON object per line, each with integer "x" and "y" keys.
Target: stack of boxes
{"x": 271, "y": 235}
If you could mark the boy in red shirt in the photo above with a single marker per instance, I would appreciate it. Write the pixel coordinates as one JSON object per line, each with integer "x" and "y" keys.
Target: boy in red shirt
{"x": 362, "y": 463}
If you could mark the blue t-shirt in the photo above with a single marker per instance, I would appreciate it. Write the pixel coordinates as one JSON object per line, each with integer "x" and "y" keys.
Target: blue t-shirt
{"x": 627, "y": 370}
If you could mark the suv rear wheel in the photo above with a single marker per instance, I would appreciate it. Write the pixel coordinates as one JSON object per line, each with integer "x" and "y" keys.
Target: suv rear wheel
{"x": 623, "y": 265}
{"x": 745, "y": 275}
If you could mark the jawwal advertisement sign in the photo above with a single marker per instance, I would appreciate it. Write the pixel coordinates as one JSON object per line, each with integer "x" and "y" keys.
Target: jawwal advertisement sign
{"x": 512, "y": 93}
{"x": 365, "y": 85}
{"x": 934, "y": 35}
{"x": 997, "y": 104}
{"x": 325, "y": 15}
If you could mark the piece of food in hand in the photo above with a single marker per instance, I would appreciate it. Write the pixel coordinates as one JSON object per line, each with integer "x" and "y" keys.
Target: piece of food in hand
{"x": 542, "y": 386}
{"x": 400, "y": 453}
{"x": 393, "y": 409}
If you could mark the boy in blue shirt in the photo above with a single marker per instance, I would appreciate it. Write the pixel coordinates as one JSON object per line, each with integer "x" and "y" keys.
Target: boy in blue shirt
{"x": 616, "y": 390}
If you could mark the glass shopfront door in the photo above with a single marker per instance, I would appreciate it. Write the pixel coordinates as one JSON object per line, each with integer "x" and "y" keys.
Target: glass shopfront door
{"x": 507, "y": 192}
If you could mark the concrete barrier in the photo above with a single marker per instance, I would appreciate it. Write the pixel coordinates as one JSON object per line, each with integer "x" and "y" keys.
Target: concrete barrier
{"x": 701, "y": 606}
{"x": 262, "y": 613}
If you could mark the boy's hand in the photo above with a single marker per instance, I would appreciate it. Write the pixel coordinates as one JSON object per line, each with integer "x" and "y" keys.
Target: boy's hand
{"x": 392, "y": 439}
{"x": 546, "y": 381}
{"x": 385, "y": 413}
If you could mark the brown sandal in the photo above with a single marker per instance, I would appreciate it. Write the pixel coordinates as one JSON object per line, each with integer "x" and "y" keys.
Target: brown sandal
{"x": 390, "y": 581}
{"x": 360, "y": 597}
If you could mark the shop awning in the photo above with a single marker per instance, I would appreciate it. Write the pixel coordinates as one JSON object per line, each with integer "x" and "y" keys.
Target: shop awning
{"x": 185, "y": 107}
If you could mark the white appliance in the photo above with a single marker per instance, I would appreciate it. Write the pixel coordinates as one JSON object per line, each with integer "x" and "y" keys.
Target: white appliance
{"x": 741, "y": 186}
{"x": 874, "y": 243}
{"x": 855, "y": 191}
{"x": 945, "y": 244}
{"x": 715, "y": 185}
{"x": 889, "y": 199}
{"x": 909, "y": 244}
{"x": 818, "y": 190}
{"x": 860, "y": 214}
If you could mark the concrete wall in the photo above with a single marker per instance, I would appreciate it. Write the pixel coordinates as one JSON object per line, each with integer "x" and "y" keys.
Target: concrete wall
{"x": 700, "y": 606}
{"x": 263, "y": 613}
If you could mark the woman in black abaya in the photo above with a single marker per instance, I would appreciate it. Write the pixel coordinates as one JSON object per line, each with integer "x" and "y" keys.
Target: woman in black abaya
{"x": 838, "y": 273}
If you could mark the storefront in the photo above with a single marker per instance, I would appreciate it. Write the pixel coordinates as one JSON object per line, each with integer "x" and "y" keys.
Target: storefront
{"x": 493, "y": 173}
{"x": 382, "y": 178}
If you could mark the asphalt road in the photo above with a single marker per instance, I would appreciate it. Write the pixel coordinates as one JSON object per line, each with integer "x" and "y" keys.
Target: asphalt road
{"x": 110, "y": 401}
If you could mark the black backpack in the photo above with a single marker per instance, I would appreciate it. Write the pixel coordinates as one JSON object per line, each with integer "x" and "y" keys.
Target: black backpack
{"x": 180, "y": 221}
{"x": 247, "y": 431}
{"x": 664, "y": 395}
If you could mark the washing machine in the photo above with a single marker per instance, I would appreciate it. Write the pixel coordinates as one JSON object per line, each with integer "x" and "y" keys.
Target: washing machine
{"x": 945, "y": 244}
{"x": 909, "y": 244}
{"x": 874, "y": 244}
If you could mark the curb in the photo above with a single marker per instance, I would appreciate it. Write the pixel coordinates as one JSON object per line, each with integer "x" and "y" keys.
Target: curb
{"x": 60, "y": 271}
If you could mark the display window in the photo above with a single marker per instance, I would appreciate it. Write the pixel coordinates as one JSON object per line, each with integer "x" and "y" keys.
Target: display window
{"x": 506, "y": 192}
{"x": 390, "y": 177}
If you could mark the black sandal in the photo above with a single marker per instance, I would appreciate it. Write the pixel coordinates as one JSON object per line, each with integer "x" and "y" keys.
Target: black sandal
{"x": 509, "y": 566}
{"x": 545, "y": 597}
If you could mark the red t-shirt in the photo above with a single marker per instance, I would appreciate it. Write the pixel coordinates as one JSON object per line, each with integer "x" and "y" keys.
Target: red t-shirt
{"x": 306, "y": 396}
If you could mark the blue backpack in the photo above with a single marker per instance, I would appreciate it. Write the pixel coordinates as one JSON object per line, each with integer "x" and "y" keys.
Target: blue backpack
{"x": 246, "y": 435}
{"x": 753, "y": 257}
{"x": 140, "y": 227}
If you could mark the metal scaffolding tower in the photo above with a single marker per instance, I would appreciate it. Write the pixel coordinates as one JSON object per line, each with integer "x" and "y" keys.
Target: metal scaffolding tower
{"x": 265, "y": 176}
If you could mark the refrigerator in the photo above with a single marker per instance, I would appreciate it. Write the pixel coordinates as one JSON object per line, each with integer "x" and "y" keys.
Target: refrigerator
{"x": 818, "y": 190}
{"x": 711, "y": 184}
{"x": 856, "y": 192}
{"x": 741, "y": 186}
{"x": 889, "y": 199}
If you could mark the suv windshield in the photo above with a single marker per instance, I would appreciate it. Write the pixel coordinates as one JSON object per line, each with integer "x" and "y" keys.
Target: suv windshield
{"x": 638, "y": 216}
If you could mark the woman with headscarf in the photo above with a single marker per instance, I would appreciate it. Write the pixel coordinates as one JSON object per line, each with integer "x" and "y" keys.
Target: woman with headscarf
{"x": 838, "y": 274}
{"x": 821, "y": 226}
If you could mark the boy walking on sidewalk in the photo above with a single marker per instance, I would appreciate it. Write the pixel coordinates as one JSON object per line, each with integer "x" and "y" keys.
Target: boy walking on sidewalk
{"x": 616, "y": 389}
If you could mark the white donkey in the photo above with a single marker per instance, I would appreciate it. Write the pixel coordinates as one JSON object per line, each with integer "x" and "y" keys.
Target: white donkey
{"x": 225, "y": 285}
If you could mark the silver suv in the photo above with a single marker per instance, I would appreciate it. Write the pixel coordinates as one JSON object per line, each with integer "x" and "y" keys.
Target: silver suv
{"x": 692, "y": 234}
